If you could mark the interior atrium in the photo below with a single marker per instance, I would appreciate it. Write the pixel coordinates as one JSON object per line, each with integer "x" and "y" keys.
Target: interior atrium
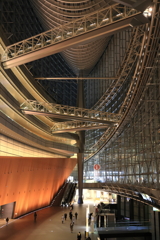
{"x": 80, "y": 97}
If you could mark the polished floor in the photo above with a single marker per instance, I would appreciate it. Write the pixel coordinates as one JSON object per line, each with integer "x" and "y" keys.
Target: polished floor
{"x": 48, "y": 225}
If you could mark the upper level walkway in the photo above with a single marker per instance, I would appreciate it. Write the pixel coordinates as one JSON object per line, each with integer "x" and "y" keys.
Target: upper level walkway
{"x": 96, "y": 25}
{"x": 68, "y": 112}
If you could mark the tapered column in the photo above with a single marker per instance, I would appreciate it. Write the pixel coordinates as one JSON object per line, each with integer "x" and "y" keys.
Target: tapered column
{"x": 81, "y": 142}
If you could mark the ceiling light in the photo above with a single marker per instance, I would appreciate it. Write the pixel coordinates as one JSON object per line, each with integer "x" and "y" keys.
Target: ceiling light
{"x": 58, "y": 37}
{"x": 80, "y": 29}
{"x": 92, "y": 24}
{"x": 148, "y": 12}
{"x": 106, "y": 19}
{"x": 119, "y": 14}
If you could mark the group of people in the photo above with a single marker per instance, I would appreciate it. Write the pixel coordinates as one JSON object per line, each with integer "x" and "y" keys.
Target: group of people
{"x": 72, "y": 218}
{"x": 64, "y": 217}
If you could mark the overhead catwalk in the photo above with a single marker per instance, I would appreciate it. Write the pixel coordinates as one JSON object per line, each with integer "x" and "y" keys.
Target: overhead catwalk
{"x": 99, "y": 24}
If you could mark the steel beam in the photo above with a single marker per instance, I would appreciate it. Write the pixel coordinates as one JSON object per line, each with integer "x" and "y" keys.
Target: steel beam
{"x": 75, "y": 78}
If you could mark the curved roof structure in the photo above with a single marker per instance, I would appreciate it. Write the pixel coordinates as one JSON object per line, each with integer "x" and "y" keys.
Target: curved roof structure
{"x": 53, "y": 14}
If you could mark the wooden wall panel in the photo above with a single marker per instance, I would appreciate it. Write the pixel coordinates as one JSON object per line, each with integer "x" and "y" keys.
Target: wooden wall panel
{"x": 32, "y": 182}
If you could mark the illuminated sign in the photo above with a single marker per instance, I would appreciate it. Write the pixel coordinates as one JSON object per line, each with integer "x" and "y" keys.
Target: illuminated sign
{"x": 97, "y": 167}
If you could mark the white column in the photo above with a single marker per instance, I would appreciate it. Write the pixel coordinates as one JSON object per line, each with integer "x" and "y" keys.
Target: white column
{"x": 87, "y": 227}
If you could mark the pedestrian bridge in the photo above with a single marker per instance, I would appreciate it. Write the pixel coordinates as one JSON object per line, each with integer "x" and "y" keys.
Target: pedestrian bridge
{"x": 96, "y": 25}
{"x": 33, "y": 107}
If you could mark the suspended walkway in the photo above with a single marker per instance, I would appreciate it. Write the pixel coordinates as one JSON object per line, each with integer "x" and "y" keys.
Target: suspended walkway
{"x": 71, "y": 126}
{"x": 33, "y": 107}
{"x": 93, "y": 26}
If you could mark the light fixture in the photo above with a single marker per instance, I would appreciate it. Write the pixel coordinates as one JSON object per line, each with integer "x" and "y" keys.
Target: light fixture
{"x": 106, "y": 19}
{"x": 119, "y": 14}
{"x": 58, "y": 37}
{"x": 148, "y": 12}
{"x": 80, "y": 29}
{"x": 69, "y": 33}
{"x": 92, "y": 24}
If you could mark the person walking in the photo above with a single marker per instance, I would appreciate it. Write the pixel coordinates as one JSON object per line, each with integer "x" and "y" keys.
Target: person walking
{"x": 71, "y": 226}
{"x": 62, "y": 218}
{"x": 88, "y": 238}
{"x": 7, "y": 220}
{"x": 79, "y": 236}
{"x": 70, "y": 215}
{"x": 76, "y": 215}
{"x": 35, "y": 216}
{"x": 73, "y": 219}
{"x": 65, "y": 216}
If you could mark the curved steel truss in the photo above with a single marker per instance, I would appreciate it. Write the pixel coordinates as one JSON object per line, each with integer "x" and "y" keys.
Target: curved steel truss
{"x": 140, "y": 55}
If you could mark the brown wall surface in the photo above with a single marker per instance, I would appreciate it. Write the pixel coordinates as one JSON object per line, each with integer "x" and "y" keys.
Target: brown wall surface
{"x": 32, "y": 182}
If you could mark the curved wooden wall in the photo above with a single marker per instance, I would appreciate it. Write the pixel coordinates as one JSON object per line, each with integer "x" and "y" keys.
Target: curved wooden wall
{"x": 32, "y": 182}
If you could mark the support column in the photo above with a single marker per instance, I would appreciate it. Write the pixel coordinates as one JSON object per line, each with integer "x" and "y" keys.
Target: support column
{"x": 155, "y": 223}
{"x": 118, "y": 207}
{"x": 131, "y": 209}
{"x": 80, "y": 157}
{"x": 80, "y": 142}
